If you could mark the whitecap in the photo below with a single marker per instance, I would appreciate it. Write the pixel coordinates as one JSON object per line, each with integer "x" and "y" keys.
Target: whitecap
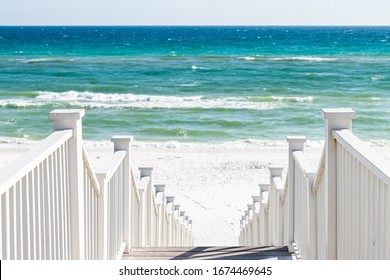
{"x": 293, "y": 98}
{"x": 246, "y": 57}
{"x": 377, "y": 78}
{"x": 14, "y": 142}
{"x": 189, "y": 85}
{"x": 43, "y": 60}
{"x": 129, "y": 100}
{"x": 194, "y": 67}
{"x": 20, "y": 103}
{"x": 379, "y": 143}
{"x": 304, "y": 58}
{"x": 241, "y": 144}
{"x": 7, "y": 122}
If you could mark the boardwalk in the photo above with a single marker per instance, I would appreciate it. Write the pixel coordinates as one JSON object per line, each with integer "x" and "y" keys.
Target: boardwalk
{"x": 209, "y": 253}
{"x": 55, "y": 205}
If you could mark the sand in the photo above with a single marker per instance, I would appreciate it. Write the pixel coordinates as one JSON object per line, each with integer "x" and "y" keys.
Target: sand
{"x": 213, "y": 186}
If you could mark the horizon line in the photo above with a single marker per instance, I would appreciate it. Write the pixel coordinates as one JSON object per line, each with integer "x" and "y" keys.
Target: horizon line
{"x": 192, "y": 25}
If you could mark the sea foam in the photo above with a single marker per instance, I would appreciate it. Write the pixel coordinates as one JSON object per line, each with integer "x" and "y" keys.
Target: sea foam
{"x": 129, "y": 100}
{"x": 305, "y": 58}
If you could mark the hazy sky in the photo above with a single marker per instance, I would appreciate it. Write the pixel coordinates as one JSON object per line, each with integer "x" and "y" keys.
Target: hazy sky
{"x": 194, "y": 12}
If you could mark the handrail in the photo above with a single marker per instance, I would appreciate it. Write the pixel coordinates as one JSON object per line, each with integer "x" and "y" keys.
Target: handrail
{"x": 265, "y": 197}
{"x": 143, "y": 183}
{"x": 22, "y": 166}
{"x": 278, "y": 183}
{"x": 135, "y": 186}
{"x": 361, "y": 151}
{"x": 268, "y": 201}
{"x": 154, "y": 204}
{"x": 110, "y": 168}
{"x": 91, "y": 173}
{"x": 320, "y": 172}
{"x": 285, "y": 191}
{"x": 303, "y": 163}
{"x": 159, "y": 198}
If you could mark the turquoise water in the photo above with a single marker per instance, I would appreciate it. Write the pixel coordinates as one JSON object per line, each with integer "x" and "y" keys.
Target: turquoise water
{"x": 194, "y": 84}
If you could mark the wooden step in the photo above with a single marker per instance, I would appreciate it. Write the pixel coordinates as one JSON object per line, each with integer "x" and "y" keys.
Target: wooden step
{"x": 209, "y": 253}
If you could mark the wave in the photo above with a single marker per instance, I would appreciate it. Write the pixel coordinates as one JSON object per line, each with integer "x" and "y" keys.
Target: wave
{"x": 18, "y": 103}
{"x": 129, "y": 100}
{"x": 293, "y": 98}
{"x": 377, "y": 78}
{"x": 7, "y": 122}
{"x": 194, "y": 67}
{"x": 189, "y": 85}
{"x": 242, "y": 144}
{"x": 226, "y": 145}
{"x": 48, "y": 59}
{"x": 247, "y": 58}
{"x": 305, "y": 58}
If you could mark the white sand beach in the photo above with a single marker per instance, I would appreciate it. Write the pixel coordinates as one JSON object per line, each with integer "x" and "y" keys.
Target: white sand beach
{"x": 213, "y": 186}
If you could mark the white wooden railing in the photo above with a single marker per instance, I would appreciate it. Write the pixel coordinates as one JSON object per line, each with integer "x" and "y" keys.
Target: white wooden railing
{"x": 54, "y": 205}
{"x": 339, "y": 210}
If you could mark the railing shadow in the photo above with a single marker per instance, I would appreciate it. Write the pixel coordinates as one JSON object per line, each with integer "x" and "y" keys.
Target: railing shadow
{"x": 235, "y": 253}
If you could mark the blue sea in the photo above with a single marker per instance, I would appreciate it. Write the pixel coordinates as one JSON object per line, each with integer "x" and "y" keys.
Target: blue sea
{"x": 194, "y": 85}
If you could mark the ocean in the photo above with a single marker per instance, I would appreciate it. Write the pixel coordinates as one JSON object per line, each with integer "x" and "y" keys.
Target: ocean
{"x": 173, "y": 86}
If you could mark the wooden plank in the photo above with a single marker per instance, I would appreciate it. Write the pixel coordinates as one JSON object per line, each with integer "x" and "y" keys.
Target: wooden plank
{"x": 210, "y": 253}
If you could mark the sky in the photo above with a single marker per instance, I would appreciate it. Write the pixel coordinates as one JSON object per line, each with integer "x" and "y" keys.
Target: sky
{"x": 194, "y": 12}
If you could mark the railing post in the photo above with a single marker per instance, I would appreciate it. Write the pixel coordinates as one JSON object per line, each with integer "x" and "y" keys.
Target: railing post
{"x": 191, "y": 239}
{"x": 161, "y": 216}
{"x": 71, "y": 119}
{"x": 246, "y": 226}
{"x": 181, "y": 225}
{"x": 334, "y": 119}
{"x": 146, "y": 207}
{"x": 255, "y": 223}
{"x": 175, "y": 226}
{"x": 275, "y": 171}
{"x": 263, "y": 224}
{"x": 123, "y": 143}
{"x": 186, "y": 219}
{"x": 170, "y": 203}
{"x": 102, "y": 218}
{"x": 295, "y": 143}
{"x": 250, "y": 223}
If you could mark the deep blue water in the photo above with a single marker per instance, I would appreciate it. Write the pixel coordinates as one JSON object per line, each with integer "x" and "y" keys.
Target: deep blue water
{"x": 194, "y": 84}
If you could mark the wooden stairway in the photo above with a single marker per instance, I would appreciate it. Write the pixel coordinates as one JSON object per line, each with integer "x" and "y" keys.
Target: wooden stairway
{"x": 209, "y": 253}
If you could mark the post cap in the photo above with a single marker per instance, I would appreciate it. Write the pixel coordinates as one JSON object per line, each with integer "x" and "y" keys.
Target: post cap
{"x": 69, "y": 114}
{"x": 250, "y": 206}
{"x": 170, "y": 198}
{"x": 177, "y": 206}
{"x": 159, "y": 188}
{"x": 145, "y": 171}
{"x": 338, "y": 113}
{"x": 296, "y": 138}
{"x": 264, "y": 187}
{"x": 255, "y": 198}
{"x": 275, "y": 170}
{"x": 122, "y": 138}
{"x": 182, "y": 213}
